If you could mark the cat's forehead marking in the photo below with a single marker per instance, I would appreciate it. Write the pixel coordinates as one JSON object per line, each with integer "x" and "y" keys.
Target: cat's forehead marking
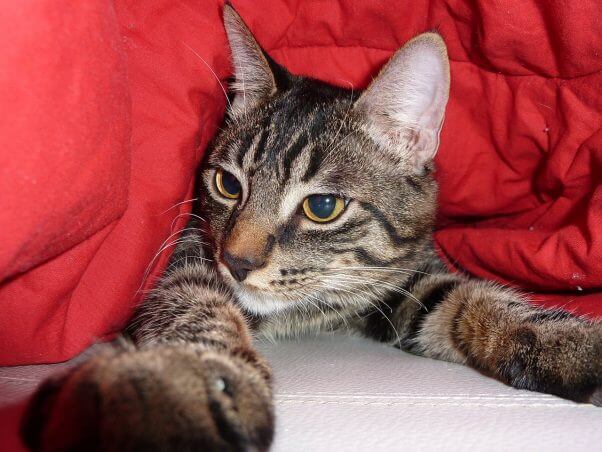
{"x": 246, "y": 157}
{"x": 293, "y": 140}
{"x": 293, "y": 147}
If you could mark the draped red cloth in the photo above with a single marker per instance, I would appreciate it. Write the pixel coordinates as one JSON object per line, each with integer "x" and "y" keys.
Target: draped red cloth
{"x": 108, "y": 106}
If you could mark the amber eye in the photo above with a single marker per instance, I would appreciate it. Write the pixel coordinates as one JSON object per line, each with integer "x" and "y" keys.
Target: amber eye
{"x": 323, "y": 208}
{"x": 227, "y": 184}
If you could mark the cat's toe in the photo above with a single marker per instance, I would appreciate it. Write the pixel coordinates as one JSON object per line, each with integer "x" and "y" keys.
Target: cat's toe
{"x": 239, "y": 401}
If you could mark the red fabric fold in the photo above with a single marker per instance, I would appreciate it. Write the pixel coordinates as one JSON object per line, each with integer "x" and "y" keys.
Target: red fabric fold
{"x": 108, "y": 107}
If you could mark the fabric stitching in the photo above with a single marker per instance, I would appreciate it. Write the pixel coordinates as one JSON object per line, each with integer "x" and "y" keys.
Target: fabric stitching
{"x": 344, "y": 402}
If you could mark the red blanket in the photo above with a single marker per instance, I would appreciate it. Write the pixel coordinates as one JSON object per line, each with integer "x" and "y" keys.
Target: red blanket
{"x": 108, "y": 106}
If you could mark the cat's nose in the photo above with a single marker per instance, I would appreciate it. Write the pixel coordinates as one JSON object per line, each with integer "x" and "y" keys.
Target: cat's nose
{"x": 241, "y": 266}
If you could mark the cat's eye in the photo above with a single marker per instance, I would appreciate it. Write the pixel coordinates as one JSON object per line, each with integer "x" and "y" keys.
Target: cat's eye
{"x": 227, "y": 184}
{"x": 323, "y": 208}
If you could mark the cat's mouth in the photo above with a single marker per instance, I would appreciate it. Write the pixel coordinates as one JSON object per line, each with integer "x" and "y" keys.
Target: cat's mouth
{"x": 254, "y": 299}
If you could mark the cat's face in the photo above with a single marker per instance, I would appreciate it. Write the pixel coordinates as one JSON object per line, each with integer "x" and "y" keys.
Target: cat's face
{"x": 315, "y": 194}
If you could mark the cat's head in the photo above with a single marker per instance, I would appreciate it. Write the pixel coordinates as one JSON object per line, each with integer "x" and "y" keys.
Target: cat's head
{"x": 317, "y": 194}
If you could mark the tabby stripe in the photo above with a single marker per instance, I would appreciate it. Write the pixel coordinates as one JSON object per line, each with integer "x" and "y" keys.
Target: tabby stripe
{"x": 292, "y": 153}
{"x": 260, "y": 148}
{"x": 318, "y": 122}
{"x": 269, "y": 244}
{"x": 437, "y": 294}
{"x": 317, "y": 157}
{"x": 416, "y": 277}
{"x": 386, "y": 224}
{"x": 545, "y": 316}
{"x": 455, "y": 333}
{"x": 351, "y": 225}
{"x": 231, "y": 222}
{"x": 363, "y": 255}
{"x": 212, "y": 343}
{"x": 414, "y": 184}
{"x": 314, "y": 164}
{"x": 367, "y": 258}
{"x": 430, "y": 300}
{"x": 244, "y": 147}
{"x": 378, "y": 326}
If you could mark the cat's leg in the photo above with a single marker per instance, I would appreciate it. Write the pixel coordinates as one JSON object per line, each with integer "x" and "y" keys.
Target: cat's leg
{"x": 192, "y": 382}
{"x": 496, "y": 331}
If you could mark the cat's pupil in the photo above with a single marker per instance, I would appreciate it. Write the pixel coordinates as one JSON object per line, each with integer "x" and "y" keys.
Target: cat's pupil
{"x": 230, "y": 183}
{"x": 322, "y": 206}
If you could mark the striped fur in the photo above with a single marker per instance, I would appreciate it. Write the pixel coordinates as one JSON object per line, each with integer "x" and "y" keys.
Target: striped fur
{"x": 372, "y": 271}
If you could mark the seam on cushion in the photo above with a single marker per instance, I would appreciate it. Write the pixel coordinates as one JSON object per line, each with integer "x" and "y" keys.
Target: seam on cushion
{"x": 505, "y": 74}
{"x": 344, "y": 402}
{"x": 419, "y": 397}
{"x": 393, "y": 395}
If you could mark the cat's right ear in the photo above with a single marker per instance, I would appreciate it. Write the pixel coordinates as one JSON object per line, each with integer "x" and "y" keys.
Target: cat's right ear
{"x": 256, "y": 76}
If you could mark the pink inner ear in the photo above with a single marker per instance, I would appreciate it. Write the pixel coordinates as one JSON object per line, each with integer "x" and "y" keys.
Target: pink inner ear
{"x": 405, "y": 105}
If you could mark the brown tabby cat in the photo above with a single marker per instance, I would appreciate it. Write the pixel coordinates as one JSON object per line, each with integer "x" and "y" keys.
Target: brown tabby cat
{"x": 318, "y": 206}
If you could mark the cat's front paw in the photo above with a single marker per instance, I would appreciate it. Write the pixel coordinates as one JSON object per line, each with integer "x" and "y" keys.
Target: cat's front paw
{"x": 166, "y": 398}
{"x": 568, "y": 365}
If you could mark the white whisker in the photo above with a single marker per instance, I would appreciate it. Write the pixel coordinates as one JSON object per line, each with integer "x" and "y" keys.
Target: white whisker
{"x": 386, "y": 284}
{"x": 336, "y": 311}
{"x": 385, "y": 269}
{"x": 212, "y": 71}
{"x": 162, "y": 248}
{"x": 367, "y": 300}
{"x": 178, "y": 204}
{"x": 182, "y": 215}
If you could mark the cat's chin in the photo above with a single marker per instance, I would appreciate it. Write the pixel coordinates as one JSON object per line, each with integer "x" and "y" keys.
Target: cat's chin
{"x": 259, "y": 303}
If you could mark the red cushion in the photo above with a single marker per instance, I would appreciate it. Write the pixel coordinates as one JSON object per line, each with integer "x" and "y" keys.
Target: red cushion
{"x": 106, "y": 112}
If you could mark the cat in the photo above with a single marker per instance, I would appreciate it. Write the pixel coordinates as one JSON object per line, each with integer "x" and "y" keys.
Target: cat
{"x": 316, "y": 213}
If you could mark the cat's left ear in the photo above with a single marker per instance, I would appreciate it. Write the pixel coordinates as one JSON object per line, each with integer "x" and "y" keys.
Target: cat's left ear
{"x": 256, "y": 75}
{"x": 403, "y": 108}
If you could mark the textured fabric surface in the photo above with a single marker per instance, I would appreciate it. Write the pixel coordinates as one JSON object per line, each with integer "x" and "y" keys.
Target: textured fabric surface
{"x": 343, "y": 394}
{"x": 108, "y": 106}
{"x": 106, "y": 147}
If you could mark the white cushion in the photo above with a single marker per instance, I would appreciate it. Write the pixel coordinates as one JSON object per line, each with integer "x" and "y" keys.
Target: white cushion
{"x": 336, "y": 393}
{"x": 347, "y": 393}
